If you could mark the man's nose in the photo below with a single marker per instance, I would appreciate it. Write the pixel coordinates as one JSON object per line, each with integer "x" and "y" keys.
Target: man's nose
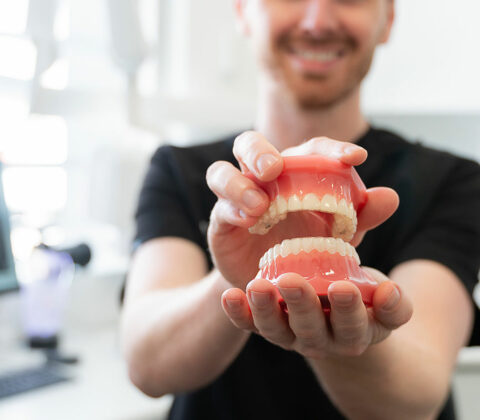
{"x": 319, "y": 17}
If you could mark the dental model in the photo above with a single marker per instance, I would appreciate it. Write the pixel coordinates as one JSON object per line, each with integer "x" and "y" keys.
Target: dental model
{"x": 333, "y": 193}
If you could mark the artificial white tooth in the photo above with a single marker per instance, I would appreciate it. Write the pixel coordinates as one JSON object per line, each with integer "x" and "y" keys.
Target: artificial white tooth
{"x": 328, "y": 204}
{"x": 307, "y": 244}
{"x": 319, "y": 244}
{"x": 342, "y": 207}
{"x": 262, "y": 262}
{"x": 276, "y": 251}
{"x": 284, "y": 248}
{"x": 351, "y": 208}
{"x": 355, "y": 255}
{"x": 330, "y": 245}
{"x": 341, "y": 247}
{"x": 311, "y": 202}
{"x": 270, "y": 255}
{"x": 282, "y": 206}
{"x": 272, "y": 210}
{"x": 296, "y": 245}
{"x": 294, "y": 203}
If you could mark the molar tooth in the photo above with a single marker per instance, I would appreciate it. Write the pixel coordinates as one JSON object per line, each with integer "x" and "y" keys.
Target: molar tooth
{"x": 294, "y": 203}
{"x": 281, "y": 205}
{"x": 328, "y": 204}
{"x": 311, "y": 202}
{"x": 307, "y": 244}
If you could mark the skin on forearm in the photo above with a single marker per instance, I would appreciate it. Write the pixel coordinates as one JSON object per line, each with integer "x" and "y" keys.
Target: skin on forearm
{"x": 395, "y": 379}
{"x": 179, "y": 339}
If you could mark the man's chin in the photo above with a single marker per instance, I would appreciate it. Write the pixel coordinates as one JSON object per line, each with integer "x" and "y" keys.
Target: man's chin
{"x": 318, "y": 101}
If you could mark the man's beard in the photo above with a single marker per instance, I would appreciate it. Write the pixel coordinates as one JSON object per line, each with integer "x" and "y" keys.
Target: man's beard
{"x": 317, "y": 98}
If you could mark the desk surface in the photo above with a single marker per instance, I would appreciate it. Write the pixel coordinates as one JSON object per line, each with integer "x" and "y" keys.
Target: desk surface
{"x": 100, "y": 388}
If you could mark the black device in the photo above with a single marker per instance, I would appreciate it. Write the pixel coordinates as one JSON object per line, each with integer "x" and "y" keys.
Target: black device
{"x": 29, "y": 379}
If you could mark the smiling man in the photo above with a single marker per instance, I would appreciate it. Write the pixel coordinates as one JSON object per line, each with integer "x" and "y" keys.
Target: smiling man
{"x": 197, "y": 324}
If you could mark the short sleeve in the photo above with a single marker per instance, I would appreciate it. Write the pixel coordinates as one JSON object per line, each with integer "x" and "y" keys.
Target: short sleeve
{"x": 450, "y": 230}
{"x": 162, "y": 206}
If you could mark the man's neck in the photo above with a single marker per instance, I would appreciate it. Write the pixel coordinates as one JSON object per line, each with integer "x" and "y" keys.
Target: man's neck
{"x": 285, "y": 124}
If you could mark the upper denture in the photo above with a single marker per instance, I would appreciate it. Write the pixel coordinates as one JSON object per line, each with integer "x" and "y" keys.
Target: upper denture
{"x": 315, "y": 183}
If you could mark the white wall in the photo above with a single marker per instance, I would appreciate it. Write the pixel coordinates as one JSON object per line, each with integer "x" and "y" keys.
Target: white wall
{"x": 432, "y": 62}
{"x": 430, "y": 65}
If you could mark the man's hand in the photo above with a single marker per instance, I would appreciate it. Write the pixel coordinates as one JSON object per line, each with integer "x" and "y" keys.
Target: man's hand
{"x": 353, "y": 327}
{"x": 241, "y": 202}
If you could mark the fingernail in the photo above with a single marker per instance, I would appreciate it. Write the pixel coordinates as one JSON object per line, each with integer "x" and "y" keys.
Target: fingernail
{"x": 291, "y": 293}
{"x": 342, "y": 298}
{"x": 392, "y": 299}
{"x": 350, "y": 149}
{"x": 260, "y": 298}
{"x": 252, "y": 199}
{"x": 266, "y": 161}
{"x": 233, "y": 303}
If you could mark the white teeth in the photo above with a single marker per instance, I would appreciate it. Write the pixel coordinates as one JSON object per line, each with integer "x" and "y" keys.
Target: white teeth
{"x": 282, "y": 205}
{"x": 341, "y": 248}
{"x": 342, "y": 207}
{"x": 311, "y": 202}
{"x": 297, "y": 245}
{"x": 345, "y": 221}
{"x": 284, "y": 251}
{"x": 294, "y": 203}
{"x": 318, "y": 56}
{"x": 331, "y": 245}
{"x": 276, "y": 251}
{"x": 329, "y": 203}
{"x": 307, "y": 244}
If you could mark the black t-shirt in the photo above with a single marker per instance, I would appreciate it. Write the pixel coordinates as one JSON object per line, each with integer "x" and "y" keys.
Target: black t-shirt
{"x": 438, "y": 219}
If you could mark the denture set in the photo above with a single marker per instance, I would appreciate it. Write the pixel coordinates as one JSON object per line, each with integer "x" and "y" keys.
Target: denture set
{"x": 332, "y": 193}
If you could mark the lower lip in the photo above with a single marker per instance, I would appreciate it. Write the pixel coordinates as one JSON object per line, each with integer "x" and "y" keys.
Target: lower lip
{"x": 313, "y": 66}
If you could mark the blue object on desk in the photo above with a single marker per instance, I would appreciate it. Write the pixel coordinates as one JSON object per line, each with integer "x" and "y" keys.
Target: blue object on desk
{"x": 24, "y": 380}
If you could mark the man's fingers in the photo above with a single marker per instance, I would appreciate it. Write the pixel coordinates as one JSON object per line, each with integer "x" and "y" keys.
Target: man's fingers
{"x": 391, "y": 307}
{"x": 268, "y": 317}
{"x": 224, "y": 215}
{"x": 235, "y": 305}
{"x": 229, "y": 183}
{"x": 305, "y": 315}
{"x": 382, "y": 202}
{"x": 349, "y": 318}
{"x": 348, "y": 153}
{"x": 256, "y": 155}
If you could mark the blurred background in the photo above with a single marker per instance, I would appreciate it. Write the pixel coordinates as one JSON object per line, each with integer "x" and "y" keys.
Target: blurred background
{"x": 89, "y": 89}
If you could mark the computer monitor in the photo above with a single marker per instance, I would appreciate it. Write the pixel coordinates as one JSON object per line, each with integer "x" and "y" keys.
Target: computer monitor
{"x": 8, "y": 279}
